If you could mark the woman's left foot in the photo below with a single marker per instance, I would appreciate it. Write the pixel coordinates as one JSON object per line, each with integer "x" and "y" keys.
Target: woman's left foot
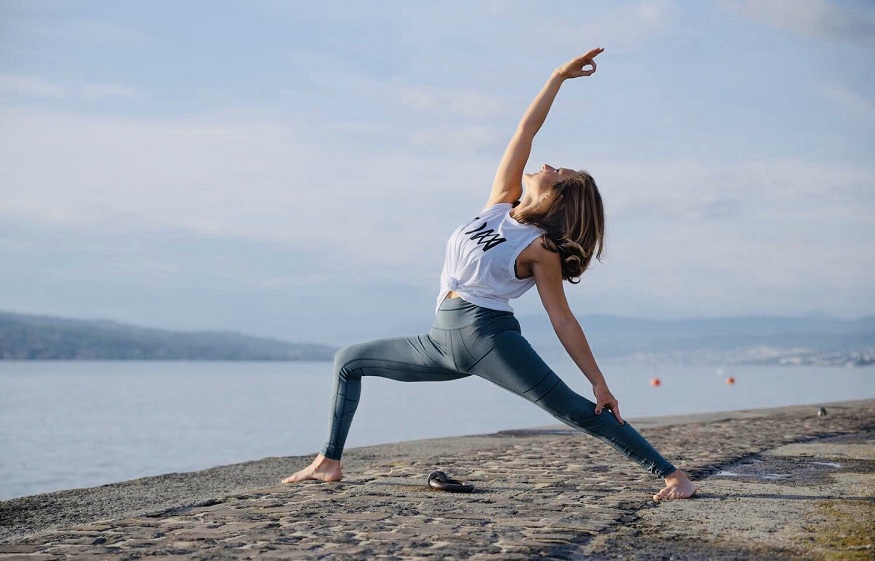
{"x": 322, "y": 469}
{"x": 677, "y": 486}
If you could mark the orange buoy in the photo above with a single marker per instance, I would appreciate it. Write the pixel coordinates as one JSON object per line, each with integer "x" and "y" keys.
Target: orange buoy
{"x": 655, "y": 382}
{"x": 730, "y": 381}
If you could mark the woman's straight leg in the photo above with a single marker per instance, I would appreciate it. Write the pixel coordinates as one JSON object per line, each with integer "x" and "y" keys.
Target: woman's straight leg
{"x": 406, "y": 359}
{"x": 514, "y": 365}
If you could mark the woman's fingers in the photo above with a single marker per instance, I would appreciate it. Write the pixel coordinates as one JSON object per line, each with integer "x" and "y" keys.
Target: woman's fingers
{"x": 615, "y": 409}
{"x": 578, "y": 67}
{"x": 613, "y": 406}
{"x": 591, "y": 71}
{"x": 587, "y": 60}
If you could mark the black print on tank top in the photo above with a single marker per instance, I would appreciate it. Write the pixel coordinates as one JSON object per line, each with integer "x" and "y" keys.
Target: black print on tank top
{"x": 487, "y": 238}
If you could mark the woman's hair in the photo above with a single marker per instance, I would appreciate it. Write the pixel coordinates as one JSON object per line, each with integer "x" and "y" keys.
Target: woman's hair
{"x": 573, "y": 220}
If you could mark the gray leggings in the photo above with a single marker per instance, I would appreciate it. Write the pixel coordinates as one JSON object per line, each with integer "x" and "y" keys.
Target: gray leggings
{"x": 467, "y": 339}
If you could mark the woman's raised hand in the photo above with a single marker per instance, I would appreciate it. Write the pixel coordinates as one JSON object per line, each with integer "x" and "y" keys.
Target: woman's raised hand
{"x": 578, "y": 67}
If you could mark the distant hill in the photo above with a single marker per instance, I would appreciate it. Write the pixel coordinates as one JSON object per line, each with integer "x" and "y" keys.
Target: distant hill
{"x": 750, "y": 340}
{"x": 27, "y": 337}
{"x": 755, "y": 339}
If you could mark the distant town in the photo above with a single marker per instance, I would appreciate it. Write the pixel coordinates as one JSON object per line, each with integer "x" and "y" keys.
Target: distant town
{"x": 802, "y": 357}
{"x": 764, "y": 355}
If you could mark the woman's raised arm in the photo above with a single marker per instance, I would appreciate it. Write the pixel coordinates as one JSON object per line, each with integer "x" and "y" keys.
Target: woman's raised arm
{"x": 507, "y": 186}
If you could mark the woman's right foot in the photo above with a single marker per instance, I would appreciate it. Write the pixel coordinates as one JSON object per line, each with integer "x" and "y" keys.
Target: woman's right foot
{"x": 677, "y": 486}
{"x": 322, "y": 469}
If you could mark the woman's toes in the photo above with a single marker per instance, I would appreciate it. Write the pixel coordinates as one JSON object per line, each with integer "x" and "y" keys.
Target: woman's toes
{"x": 676, "y": 492}
{"x": 677, "y": 486}
{"x": 291, "y": 479}
{"x": 305, "y": 473}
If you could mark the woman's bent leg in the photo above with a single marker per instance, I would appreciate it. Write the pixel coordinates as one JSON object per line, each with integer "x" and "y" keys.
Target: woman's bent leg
{"x": 515, "y": 366}
{"x": 407, "y": 359}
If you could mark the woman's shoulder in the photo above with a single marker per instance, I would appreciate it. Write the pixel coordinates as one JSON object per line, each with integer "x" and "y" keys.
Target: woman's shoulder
{"x": 536, "y": 254}
{"x": 538, "y": 251}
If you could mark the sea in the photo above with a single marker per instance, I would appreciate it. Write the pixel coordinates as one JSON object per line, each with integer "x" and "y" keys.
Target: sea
{"x": 73, "y": 424}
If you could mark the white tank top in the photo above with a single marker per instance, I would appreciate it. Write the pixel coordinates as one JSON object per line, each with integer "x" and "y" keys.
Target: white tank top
{"x": 480, "y": 259}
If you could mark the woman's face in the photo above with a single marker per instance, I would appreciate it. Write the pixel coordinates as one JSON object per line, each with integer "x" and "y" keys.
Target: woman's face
{"x": 548, "y": 176}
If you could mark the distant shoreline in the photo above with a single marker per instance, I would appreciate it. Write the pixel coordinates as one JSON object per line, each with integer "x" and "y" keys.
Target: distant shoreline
{"x": 783, "y": 360}
{"x": 2, "y": 360}
{"x": 717, "y": 341}
{"x": 27, "y": 337}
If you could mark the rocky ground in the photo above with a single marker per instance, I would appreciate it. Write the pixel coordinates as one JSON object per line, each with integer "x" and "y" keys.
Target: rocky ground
{"x": 775, "y": 484}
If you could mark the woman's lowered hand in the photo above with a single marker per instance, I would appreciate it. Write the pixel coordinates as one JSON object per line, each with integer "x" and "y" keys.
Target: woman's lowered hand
{"x": 606, "y": 400}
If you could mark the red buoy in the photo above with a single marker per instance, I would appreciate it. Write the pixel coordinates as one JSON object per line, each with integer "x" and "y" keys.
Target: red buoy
{"x": 655, "y": 382}
{"x": 730, "y": 381}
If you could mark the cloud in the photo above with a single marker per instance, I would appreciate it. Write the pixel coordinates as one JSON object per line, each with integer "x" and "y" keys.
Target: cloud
{"x": 107, "y": 91}
{"x": 850, "y": 101}
{"x": 82, "y": 31}
{"x": 33, "y": 87}
{"x": 627, "y": 25}
{"x": 105, "y": 33}
{"x": 330, "y": 72}
{"x": 691, "y": 227}
{"x": 460, "y": 139}
{"x": 136, "y": 266}
{"x": 777, "y": 235}
{"x": 466, "y": 103}
{"x": 819, "y": 19}
{"x": 29, "y": 86}
{"x": 701, "y": 190}
{"x": 292, "y": 181}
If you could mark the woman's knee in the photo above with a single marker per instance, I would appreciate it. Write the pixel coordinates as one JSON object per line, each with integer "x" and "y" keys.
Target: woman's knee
{"x": 346, "y": 356}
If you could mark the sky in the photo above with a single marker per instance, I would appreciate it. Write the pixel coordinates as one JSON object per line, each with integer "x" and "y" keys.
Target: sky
{"x": 293, "y": 169}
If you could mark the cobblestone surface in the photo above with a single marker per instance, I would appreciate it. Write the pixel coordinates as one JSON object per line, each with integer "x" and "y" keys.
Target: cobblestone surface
{"x": 539, "y": 494}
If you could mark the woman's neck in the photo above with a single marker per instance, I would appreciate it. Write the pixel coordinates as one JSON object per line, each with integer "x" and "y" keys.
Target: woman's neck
{"x": 527, "y": 202}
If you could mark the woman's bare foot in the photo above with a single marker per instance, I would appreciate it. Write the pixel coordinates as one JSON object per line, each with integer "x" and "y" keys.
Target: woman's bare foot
{"x": 322, "y": 468}
{"x": 677, "y": 486}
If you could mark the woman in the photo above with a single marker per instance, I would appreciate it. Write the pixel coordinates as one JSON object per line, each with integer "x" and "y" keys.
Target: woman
{"x": 537, "y": 237}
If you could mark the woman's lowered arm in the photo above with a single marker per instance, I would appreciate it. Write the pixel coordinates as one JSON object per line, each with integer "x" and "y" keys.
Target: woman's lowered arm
{"x": 547, "y": 270}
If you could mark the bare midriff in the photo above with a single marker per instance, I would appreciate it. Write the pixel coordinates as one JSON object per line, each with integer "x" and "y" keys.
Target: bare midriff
{"x": 453, "y": 294}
